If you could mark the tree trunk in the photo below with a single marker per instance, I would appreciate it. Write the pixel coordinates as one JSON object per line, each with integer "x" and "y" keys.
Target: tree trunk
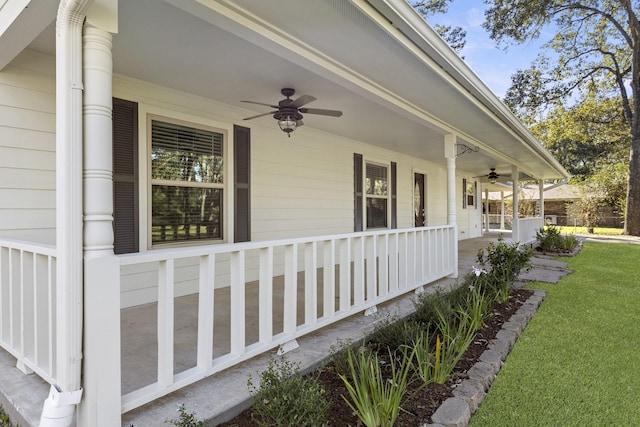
{"x": 632, "y": 216}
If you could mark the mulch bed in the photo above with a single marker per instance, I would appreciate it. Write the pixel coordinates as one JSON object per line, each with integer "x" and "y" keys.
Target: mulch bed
{"x": 418, "y": 410}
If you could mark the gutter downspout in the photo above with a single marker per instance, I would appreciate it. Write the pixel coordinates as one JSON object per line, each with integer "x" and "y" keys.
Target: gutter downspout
{"x": 60, "y": 407}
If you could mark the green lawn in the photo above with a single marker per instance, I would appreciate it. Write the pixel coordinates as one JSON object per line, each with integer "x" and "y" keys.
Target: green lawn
{"x": 578, "y": 361}
{"x": 597, "y": 230}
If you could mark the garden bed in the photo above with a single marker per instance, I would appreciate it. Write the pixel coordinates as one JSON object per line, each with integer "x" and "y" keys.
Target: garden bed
{"x": 417, "y": 410}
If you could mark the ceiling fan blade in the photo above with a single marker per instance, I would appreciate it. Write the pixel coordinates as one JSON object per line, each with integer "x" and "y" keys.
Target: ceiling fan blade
{"x": 261, "y": 103}
{"x": 303, "y": 100}
{"x": 332, "y": 113}
{"x": 260, "y": 115}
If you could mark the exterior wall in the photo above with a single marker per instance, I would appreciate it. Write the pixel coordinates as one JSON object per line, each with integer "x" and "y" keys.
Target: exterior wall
{"x": 470, "y": 218}
{"x": 300, "y": 186}
{"x": 27, "y": 149}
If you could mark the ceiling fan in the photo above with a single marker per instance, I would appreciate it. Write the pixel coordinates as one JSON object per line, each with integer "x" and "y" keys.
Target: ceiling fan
{"x": 492, "y": 177}
{"x": 289, "y": 112}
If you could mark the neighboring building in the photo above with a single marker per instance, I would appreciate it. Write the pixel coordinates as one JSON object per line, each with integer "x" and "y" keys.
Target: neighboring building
{"x": 559, "y": 206}
{"x": 122, "y": 128}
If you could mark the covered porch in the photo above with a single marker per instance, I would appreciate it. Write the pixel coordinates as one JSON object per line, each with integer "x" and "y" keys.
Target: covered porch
{"x": 161, "y": 343}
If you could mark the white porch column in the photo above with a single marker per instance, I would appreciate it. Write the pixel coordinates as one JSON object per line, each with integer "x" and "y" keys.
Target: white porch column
{"x": 450, "y": 155}
{"x": 541, "y": 189}
{"x": 516, "y": 185}
{"x": 501, "y": 210}
{"x": 486, "y": 208}
{"x": 101, "y": 366}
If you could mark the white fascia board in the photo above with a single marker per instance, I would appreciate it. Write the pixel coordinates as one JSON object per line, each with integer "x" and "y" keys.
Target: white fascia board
{"x": 21, "y": 21}
{"x": 403, "y": 17}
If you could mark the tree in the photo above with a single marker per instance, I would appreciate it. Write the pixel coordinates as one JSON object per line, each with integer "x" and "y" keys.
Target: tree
{"x": 596, "y": 53}
{"x": 585, "y": 137}
{"x": 454, "y": 36}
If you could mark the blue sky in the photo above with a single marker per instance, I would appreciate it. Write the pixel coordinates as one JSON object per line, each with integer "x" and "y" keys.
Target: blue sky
{"x": 494, "y": 66}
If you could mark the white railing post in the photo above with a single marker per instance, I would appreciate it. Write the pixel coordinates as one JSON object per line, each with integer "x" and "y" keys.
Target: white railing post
{"x": 265, "y": 295}
{"x": 206, "y": 319}
{"x": 238, "y": 303}
{"x": 372, "y": 273}
{"x": 345, "y": 274}
{"x": 358, "y": 271}
{"x": 166, "y": 295}
{"x": 290, "y": 289}
{"x": 310, "y": 283}
{"x": 329, "y": 280}
{"x": 393, "y": 262}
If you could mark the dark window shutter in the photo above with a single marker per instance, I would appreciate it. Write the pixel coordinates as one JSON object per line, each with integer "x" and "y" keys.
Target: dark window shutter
{"x": 357, "y": 191}
{"x": 464, "y": 193}
{"x": 125, "y": 176}
{"x": 394, "y": 198}
{"x": 242, "y": 184}
{"x": 475, "y": 194}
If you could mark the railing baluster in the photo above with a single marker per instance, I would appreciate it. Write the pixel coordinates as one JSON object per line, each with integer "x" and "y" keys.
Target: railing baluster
{"x": 402, "y": 260}
{"x": 238, "y": 303}
{"x": 345, "y": 274}
{"x": 290, "y": 288}
{"x": 51, "y": 314}
{"x": 358, "y": 271}
{"x": 383, "y": 265}
{"x": 265, "y": 295}
{"x": 206, "y": 319}
{"x": 166, "y": 284}
{"x": 372, "y": 274}
{"x": 310, "y": 283}
{"x": 329, "y": 280}
{"x": 393, "y": 262}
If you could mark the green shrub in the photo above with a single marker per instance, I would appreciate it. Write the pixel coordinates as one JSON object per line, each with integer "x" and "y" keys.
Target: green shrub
{"x": 393, "y": 333}
{"x": 550, "y": 240}
{"x": 503, "y": 263}
{"x": 285, "y": 398}
{"x": 186, "y": 419}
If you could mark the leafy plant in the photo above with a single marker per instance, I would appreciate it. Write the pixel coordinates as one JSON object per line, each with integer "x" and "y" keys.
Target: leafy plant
{"x": 551, "y": 240}
{"x": 285, "y": 398}
{"x": 503, "y": 263}
{"x": 186, "y": 419}
{"x": 393, "y": 333}
{"x": 375, "y": 400}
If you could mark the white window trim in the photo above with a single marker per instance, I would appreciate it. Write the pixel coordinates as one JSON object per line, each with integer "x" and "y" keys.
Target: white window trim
{"x": 148, "y": 113}
{"x": 365, "y": 196}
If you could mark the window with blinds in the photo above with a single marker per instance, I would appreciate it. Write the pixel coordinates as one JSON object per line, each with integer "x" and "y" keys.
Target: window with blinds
{"x": 187, "y": 183}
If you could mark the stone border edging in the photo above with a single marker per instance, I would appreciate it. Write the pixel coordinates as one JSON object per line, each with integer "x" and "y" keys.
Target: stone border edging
{"x": 457, "y": 411}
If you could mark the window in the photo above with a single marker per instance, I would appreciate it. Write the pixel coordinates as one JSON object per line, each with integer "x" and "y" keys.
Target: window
{"x": 187, "y": 183}
{"x": 376, "y": 185}
{"x": 469, "y": 193}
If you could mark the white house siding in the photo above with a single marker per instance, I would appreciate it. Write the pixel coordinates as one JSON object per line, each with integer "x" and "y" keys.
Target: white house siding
{"x": 27, "y": 149}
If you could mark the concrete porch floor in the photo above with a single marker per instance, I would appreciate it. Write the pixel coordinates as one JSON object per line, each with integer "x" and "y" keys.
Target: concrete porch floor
{"x": 222, "y": 395}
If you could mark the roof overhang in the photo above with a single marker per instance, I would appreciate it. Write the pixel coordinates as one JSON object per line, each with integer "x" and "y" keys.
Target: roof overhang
{"x": 399, "y": 85}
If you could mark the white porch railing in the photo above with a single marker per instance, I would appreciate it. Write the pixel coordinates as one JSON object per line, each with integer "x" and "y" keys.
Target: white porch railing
{"x": 526, "y": 229}
{"x": 300, "y": 285}
{"x": 27, "y": 306}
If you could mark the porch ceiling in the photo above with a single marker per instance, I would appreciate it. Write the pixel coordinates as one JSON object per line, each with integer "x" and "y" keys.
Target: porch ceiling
{"x": 394, "y": 92}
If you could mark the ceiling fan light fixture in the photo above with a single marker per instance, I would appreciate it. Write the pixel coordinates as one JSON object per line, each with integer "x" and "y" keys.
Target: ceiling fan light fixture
{"x": 493, "y": 176}
{"x": 287, "y": 124}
